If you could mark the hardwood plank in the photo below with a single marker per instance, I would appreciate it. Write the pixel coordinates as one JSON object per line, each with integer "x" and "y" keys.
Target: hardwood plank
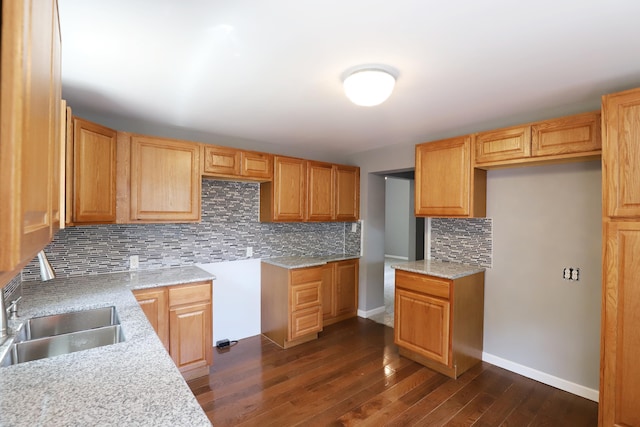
{"x": 353, "y": 375}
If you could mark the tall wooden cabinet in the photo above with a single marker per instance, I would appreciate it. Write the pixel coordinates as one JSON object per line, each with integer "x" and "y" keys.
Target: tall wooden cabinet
{"x": 620, "y": 335}
{"x": 446, "y": 183}
{"x": 31, "y": 93}
{"x": 93, "y": 173}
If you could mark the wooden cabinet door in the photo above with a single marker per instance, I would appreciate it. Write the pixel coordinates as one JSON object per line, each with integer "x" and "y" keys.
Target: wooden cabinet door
{"x": 320, "y": 191}
{"x": 502, "y": 144}
{"x": 328, "y": 291}
{"x": 347, "y": 193}
{"x": 621, "y": 154}
{"x": 27, "y": 149}
{"x": 289, "y": 189}
{"x": 190, "y": 336}
{"x": 443, "y": 178}
{"x": 154, "y": 304}
{"x": 57, "y": 125}
{"x": 94, "y": 173}
{"x": 221, "y": 160}
{"x": 165, "y": 180}
{"x": 574, "y": 134}
{"x": 256, "y": 165}
{"x": 620, "y": 341}
{"x": 346, "y": 278}
{"x": 422, "y": 324}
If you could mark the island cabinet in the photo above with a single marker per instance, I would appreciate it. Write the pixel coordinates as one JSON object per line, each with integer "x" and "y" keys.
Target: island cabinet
{"x": 620, "y": 335}
{"x": 575, "y": 137}
{"x": 439, "y": 322}
{"x": 446, "y": 185}
{"x": 91, "y": 175}
{"x": 226, "y": 162}
{"x": 340, "y": 291}
{"x": 181, "y": 316}
{"x": 291, "y": 304}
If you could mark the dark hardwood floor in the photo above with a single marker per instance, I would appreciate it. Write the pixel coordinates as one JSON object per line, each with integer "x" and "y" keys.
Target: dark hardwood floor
{"x": 353, "y": 375}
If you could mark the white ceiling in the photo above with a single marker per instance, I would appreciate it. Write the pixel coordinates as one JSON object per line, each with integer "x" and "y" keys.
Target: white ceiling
{"x": 271, "y": 70}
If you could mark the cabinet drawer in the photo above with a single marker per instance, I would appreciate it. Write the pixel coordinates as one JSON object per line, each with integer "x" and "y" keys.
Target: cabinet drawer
{"x": 305, "y": 275}
{"x": 304, "y": 322}
{"x": 305, "y": 295}
{"x": 422, "y": 283}
{"x": 188, "y": 294}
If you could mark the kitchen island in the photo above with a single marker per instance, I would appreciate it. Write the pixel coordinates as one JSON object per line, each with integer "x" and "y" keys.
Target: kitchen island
{"x": 134, "y": 382}
{"x": 439, "y": 314}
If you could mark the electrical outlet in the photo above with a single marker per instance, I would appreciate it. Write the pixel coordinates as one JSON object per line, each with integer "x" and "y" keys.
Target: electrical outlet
{"x": 133, "y": 262}
{"x": 249, "y": 251}
{"x": 566, "y": 273}
{"x": 570, "y": 273}
{"x": 575, "y": 274}
{"x": 354, "y": 227}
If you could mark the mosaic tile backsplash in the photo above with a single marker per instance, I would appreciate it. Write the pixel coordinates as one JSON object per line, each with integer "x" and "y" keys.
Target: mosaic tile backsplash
{"x": 230, "y": 224}
{"x": 465, "y": 240}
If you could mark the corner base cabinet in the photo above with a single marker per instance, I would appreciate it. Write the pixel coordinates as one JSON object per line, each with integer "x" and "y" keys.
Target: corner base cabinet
{"x": 439, "y": 322}
{"x": 291, "y": 304}
{"x": 181, "y": 316}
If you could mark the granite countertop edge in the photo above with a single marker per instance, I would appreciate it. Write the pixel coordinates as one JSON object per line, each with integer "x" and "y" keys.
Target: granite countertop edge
{"x": 442, "y": 269}
{"x": 128, "y": 383}
{"x": 293, "y": 262}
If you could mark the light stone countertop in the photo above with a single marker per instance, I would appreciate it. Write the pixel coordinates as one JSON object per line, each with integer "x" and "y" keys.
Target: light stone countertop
{"x": 445, "y": 270}
{"x": 291, "y": 262}
{"x": 132, "y": 383}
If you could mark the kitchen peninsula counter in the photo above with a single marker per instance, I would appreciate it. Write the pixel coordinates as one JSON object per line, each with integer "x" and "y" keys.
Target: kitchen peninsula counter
{"x": 445, "y": 270}
{"x": 134, "y": 382}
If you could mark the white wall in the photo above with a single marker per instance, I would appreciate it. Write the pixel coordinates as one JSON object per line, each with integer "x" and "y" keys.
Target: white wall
{"x": 236, "y": 298}
{"x": 546, "y": 218}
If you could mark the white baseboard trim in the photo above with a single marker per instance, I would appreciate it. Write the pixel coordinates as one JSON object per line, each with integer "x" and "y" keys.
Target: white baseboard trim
{"x": 369, "y": 313}
{"x": 397, "y": 257}
{"x": 534, "y": 374}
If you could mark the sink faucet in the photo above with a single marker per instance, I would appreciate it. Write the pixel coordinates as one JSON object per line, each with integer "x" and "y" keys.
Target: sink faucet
{"x": 13, "y": 310}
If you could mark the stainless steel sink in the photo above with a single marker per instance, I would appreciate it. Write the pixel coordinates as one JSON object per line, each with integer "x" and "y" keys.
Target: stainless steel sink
{"x": 49, "y": 336}
{"x": 47, "y": 326}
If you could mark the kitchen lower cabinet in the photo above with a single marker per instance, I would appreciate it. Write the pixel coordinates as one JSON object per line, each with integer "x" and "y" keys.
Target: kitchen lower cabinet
{"x": 340, "y": 291}
{"x": 181, "y": 316}
{"x": 154, "y": 304}
{"x": 439, "y": 322}
{"x": 291, "y": 304}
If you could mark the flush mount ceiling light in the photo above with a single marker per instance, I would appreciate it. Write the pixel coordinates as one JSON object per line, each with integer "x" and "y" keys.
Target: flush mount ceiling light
{"x": 369, "y": 86}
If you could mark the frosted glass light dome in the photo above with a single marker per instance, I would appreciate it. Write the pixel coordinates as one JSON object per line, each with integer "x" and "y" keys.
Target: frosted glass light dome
{"x": 369, "y": 87}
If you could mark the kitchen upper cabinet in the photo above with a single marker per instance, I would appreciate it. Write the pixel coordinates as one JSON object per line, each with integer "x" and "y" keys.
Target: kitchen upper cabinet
{"x": 347, "y": 192}
{"x": 621, "y": 154}
{"x": 321, "y": 191}
{"x": 340, "y": 291}
{"x": 579, "y": 134}
{"x": 225, "y": 162}
{"x": 291, "y": 304}
{"x": 165, "y": 180}
{"x": 503, "y": 144}
{"x": 154, "y": 304}
{"x": 93, "y": 173}
{"x": 576, "y": 137}
{"x": 439, "y": 322}
{"x": 446, "y": 183}
{"x": 285, "y": 198}
{"x": 30, "y": 68}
